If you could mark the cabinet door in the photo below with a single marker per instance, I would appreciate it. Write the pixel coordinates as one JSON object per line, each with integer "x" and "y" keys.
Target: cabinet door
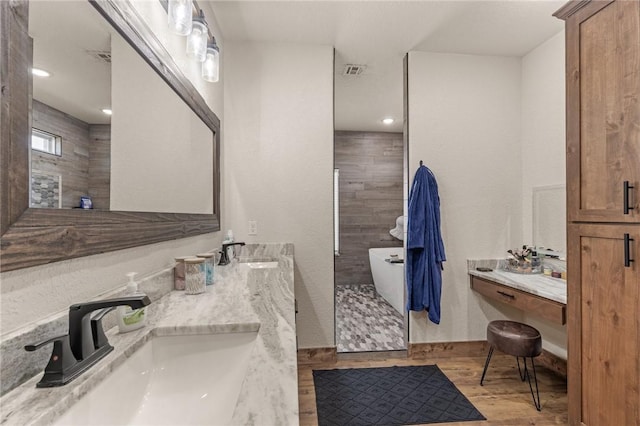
{"x": 603, "y": 112}
{"x": 604, "y": 325}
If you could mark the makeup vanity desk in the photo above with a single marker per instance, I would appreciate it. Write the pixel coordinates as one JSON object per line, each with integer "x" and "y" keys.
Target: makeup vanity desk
{"x": 539, "y": 294}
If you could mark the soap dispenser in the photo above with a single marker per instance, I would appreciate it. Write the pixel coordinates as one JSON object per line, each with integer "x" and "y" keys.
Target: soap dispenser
{"x": 131, "y": 319}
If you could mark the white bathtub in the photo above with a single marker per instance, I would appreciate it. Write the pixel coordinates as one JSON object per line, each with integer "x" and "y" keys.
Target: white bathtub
{"x": 388, "y": 278}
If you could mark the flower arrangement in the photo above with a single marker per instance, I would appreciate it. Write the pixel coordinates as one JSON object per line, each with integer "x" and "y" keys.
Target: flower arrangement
{"x": 523, "y": 261}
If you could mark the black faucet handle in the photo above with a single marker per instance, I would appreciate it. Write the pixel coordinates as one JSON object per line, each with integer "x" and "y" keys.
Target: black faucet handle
{"x": 61, "y": 362}
{"x": 35, "y": 346}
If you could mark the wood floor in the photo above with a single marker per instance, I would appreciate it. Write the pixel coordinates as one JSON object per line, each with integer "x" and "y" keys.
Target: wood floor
{"x": 503, "y": 400}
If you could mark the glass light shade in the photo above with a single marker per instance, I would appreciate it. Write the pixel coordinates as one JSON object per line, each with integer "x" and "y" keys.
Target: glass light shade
{"x": 180, "y": 16}
{"x": 211, "y": 65}
{"x": 197, "y": 41}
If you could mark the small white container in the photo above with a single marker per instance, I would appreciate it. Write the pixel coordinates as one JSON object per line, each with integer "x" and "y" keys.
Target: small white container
{"x": 194, "y": 275}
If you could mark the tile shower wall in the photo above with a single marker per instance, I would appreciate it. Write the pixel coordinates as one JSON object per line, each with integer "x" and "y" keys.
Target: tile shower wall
{"x": 73, "y": 165}
{"x": 100, "y": 165}
{"x": 370, "y": 188}
{"x": 85, "y": 162}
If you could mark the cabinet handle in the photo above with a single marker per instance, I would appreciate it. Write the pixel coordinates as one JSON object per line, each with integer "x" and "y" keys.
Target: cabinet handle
{"x": 627, "y": 250}
{"x": 627, "y": 189}
{"x": 511, "y": 296}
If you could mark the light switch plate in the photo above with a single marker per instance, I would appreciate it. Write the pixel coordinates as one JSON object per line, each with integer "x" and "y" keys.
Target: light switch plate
{"x": 253, "y": 227}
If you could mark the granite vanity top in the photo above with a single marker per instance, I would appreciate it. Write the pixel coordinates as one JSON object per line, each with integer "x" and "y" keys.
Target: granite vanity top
{"x": 242, "y": 299}
{"x": 538, "y": 284}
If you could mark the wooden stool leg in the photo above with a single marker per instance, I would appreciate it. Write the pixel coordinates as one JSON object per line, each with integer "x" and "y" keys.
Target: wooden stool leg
{"x": 486, "y": 364}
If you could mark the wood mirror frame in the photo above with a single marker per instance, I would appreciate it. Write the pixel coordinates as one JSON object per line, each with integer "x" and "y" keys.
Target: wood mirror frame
{"x": 34, "y": 236}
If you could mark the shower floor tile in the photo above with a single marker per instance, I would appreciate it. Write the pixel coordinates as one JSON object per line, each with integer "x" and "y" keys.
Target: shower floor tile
{"x": 366, "y": 322}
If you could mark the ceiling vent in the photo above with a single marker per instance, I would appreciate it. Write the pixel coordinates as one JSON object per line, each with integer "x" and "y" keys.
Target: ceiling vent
{"x": 101, "y": 55}
{"x": 353, "y": 69}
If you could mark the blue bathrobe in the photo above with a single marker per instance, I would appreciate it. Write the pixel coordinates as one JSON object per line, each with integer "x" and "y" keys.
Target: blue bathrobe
{"x": 425, "y": 250}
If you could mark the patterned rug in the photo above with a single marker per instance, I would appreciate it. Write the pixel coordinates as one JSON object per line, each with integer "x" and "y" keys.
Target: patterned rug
{"x": 389, "y": 396}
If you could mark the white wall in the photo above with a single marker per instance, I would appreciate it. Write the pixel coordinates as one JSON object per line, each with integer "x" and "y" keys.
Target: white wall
{"x": 278, "y": 165}
{"x": 35, "y": 293}
{"x": 161, "y": 151}
{"x": 32, "y": 294}
{"x": 464, "y": 123}
{"x": 155, "y": 17}
{"x": 543, "y": 148}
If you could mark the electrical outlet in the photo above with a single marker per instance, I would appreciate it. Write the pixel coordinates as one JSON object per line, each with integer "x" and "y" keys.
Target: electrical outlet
{"x": 253, "y": 227}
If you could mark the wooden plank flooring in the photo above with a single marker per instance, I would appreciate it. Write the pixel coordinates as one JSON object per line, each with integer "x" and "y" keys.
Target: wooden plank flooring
{"x": 503, "y": 400}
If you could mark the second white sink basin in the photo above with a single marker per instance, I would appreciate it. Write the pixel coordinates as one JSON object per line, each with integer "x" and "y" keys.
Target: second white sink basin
{"x": 259, "y": 262}
{"x": 171, "y": 380}
{"x": 262, "y": 265}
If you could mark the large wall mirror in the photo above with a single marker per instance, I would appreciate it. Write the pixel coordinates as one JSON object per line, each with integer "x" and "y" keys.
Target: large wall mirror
{"x": 550, "y": 218}
{"x": 151, "y": 170}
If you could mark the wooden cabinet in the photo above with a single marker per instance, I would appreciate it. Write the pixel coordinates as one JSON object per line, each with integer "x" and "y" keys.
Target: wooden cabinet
{"x": 603, "y": 325}
{"x": 603, "y": 229}
{"x": 603, "y": 112}
{"x": 545, "y": 308}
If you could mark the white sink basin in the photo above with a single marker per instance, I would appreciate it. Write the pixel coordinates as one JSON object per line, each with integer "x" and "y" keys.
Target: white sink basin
{"x": 171, "y": 380}
{"x": 262, "y": 265}
{"x": 259, "y": 262}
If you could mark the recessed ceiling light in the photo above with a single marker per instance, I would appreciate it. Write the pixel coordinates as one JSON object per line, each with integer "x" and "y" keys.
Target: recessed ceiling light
{"x": 40, "y": 73}
{"x": 387, "y": 120}
{"x": 107, "y": 111}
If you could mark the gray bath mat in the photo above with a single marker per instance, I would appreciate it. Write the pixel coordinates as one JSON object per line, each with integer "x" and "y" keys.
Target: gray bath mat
{"x": 389, "y": 396}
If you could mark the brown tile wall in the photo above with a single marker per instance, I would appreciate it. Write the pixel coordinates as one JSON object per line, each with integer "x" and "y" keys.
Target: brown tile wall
{"x": 371, "y": 199}
{"x": 73, "y": 165}
{"x": 85, "y": 164}
{"x": 100, "y": 165}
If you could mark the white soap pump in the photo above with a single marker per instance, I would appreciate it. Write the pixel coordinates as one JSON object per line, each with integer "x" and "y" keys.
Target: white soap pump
{"x": 130, "y": 319}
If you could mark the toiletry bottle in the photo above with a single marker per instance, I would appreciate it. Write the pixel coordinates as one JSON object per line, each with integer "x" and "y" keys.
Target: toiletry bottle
{"x": 131, "y": 319}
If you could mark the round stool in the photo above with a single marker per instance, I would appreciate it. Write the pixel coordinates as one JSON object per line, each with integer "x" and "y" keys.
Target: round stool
{"x": 519, "y": 340}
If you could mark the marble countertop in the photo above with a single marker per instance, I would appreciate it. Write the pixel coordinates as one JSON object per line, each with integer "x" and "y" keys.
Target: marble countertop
{"x": 541, "y": 285}
{"x": 242, "y": 299}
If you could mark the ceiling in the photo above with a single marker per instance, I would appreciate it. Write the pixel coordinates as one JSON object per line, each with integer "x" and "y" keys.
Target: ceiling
{"x": 374, "y": 33}
{"x": 80, "y": 82}
{"x": 379, "y": 33}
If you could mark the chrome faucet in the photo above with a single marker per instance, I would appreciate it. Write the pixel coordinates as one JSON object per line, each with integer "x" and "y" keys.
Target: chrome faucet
{"x": 224, "y": 256}
{"x": 86, "y": 343}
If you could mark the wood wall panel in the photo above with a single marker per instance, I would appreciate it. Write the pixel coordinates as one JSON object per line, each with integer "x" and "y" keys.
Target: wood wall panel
{"x": 73, "y": 164}
{"x": 15, "y": 54}
{"x": 100, "y": 165}
{"x": 371, "y": 198}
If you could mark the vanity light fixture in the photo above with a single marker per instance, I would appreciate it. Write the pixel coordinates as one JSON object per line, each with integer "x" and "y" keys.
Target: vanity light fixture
{"x": 107, "y": 111}
{"x": 197, "y": 40}
{"x": 40, "y": 72}
{"x": 179, "y": 15}
{"x": 387, "y": 121}
{"x": 211, "y": 65}
{"x": 185, "y": 17}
